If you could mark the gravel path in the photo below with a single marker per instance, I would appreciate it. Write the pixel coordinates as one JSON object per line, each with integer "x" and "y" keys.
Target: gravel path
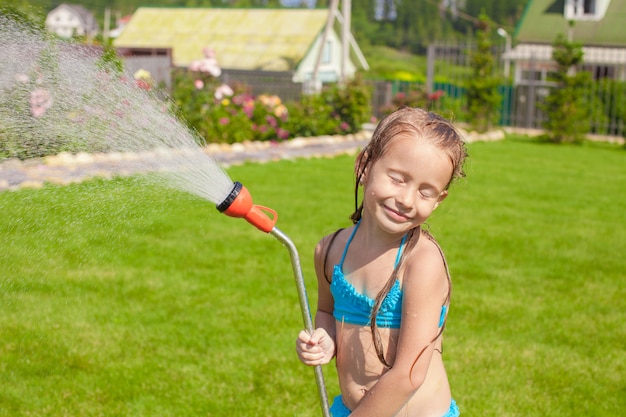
{"x": 66, "y": 168}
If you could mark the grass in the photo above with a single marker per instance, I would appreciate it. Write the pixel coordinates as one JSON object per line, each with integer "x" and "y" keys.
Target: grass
{"x": 119, "y": 298}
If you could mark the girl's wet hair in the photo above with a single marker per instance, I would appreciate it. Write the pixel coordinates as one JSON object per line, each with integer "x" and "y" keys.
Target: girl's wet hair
{"x": 424, "y": 126}
{"x": 427, "y": 127}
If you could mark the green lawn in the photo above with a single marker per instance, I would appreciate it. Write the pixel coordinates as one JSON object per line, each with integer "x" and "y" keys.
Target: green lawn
{"x": 119, "y": 298}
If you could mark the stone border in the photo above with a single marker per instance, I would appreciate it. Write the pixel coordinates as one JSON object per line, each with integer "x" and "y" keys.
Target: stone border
{"x": 66, "y": 168}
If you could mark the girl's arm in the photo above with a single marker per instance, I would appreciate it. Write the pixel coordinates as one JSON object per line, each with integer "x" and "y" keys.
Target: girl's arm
{"x": 318, "y": 348}
{"x": 425, "y": 287}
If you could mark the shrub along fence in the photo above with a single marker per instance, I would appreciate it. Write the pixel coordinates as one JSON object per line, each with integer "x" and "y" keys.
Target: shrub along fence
{"x": 448, "y": 70}
{"x": 524, "y": 92}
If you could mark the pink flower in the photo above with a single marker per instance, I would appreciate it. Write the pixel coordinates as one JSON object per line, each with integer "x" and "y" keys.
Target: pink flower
{"x": 248, "y": 109}
{"x": 199, "y": 84}
{"x": 143, "y": 79}
{"x": 209, "y": 52}
{"x": 344, "y": 126}
{"x": 224, "y": 120}
{"x": 271, "y": 121}
{"x": 144, "y": 85}
{"x": 238, "y": 100}
{"x": 223, "y": 91}
{"x": 436, "y": 95}
{"x": 208, "y": 64}
{"x": 211, "y": 67}
{"x": 40, "y": 102}
{"x": 282, "y": 134}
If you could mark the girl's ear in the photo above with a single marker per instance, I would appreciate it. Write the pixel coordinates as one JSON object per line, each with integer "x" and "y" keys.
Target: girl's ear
{"x": 442, "y": 197}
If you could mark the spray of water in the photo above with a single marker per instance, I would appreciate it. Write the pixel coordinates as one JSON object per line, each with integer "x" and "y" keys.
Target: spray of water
{"x": 57, "y": 95}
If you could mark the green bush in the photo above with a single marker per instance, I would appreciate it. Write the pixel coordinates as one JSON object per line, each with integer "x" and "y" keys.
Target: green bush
{"x": 607, "y": 102}
{"x": 352, "y": 105}
{"x": 483, "y": 98}
{"x": 336, "y": 110}
{"x": 304, "y": 116}
{"x": 566, "y": 105}
{"x": 225, "y": 114}
{"x": 415, "y": 95}
{"x": 37, "y": 123}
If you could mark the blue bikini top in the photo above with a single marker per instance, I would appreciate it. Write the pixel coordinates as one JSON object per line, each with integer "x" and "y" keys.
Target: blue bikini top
{"x": 352, "y": 307}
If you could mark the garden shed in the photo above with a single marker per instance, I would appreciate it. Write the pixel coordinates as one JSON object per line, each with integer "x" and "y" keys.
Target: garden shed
{"x": 285, "y": 41}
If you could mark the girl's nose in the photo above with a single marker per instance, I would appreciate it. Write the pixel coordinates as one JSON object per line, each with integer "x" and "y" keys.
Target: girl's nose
{"x": 406, "y": 198}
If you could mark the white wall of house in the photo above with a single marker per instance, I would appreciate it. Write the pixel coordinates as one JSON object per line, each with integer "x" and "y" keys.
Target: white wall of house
{"x": 65, "y": 22}
{"x": 330, "y": 64}
{"x": 533, "y": 63}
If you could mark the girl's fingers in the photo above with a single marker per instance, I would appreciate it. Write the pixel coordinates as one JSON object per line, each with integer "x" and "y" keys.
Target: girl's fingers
{"x": 304, "y": 336}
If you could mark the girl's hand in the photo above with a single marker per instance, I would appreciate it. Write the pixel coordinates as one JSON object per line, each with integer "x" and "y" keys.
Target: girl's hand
{"x": 317, "y": 348}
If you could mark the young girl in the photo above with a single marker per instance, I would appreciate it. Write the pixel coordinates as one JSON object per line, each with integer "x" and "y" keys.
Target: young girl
{"x": 383, "y": 283}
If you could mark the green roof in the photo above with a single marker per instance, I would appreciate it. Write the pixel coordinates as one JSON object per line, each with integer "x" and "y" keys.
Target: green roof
{"x": 544, "y": 20}
{"x": 268, "y": 39}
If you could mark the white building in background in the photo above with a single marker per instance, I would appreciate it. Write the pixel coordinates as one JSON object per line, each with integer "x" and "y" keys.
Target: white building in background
{"x": 69, "y": 20}
{"x": 286, "y": 41}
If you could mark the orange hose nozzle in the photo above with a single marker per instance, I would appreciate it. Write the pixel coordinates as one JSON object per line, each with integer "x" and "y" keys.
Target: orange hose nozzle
{"x": 239, "y": 204}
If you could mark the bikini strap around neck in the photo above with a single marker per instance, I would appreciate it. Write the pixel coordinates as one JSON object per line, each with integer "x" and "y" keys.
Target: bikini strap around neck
{"x": 345, "y": 250}
{"x": 400, "y": 249}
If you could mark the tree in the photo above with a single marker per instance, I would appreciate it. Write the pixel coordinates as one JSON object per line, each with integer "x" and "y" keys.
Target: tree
{"x": 566, "y": 106}
{"x": 483, "y": 98}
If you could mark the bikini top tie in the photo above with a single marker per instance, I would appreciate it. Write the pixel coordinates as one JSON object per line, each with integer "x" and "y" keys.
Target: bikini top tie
{"x": 352, "y": 307}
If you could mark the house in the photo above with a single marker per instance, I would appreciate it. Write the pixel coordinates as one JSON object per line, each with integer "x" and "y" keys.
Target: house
{"x": 598, "y": 25}
{"x": 283, "y": 41}
{"x": 69, "y": 20}
{"x": 121, "y": 24}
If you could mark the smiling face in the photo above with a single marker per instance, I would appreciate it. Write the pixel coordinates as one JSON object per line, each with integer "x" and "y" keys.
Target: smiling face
{"x": 405, "y": 185}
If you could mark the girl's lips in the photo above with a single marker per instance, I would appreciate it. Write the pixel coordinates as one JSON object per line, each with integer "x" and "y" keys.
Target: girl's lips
{"x": 395, "y": 214}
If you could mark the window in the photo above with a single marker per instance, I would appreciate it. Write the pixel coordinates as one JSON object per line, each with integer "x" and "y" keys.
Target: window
{"x": 599, "y": 72}
{"x": 585, "y": 9}
{"x": 385, "y": 10}
{"x": 533, "y": 75}
{"x": 327, "y": 54}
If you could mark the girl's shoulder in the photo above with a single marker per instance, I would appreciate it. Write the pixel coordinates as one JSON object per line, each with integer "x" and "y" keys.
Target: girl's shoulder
{"x": 426, "y": 259}
{"x": 333, "y": 241}
{"x": 329, "y": 249}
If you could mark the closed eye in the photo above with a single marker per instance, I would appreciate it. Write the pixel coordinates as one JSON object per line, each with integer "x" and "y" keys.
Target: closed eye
{"x": 428, "y": 193}
{"x": 396, "y": 179}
